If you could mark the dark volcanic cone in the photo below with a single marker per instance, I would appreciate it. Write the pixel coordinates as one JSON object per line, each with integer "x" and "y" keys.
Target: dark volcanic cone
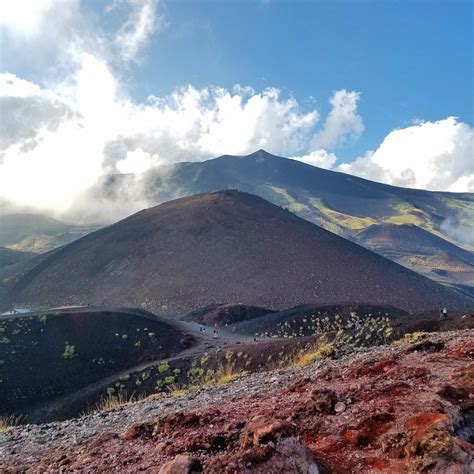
{"x": 224, "y": 247}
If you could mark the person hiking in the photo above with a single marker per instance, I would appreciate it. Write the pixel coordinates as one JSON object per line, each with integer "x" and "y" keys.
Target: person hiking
{"x": 444, "y": 312}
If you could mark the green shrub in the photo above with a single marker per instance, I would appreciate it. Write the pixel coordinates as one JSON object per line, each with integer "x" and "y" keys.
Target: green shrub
{"x": 69, "y": 351}
{"x": 163, "y": 367}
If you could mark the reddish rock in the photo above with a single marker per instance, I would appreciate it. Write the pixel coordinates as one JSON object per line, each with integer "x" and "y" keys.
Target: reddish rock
{"x": 455, "y": 395}
{"x": 426, "y": 345}
{"x": 262, "y": 430}
{"x": 321, "y": 401}
{"x": 289, "y": 456}
{"x": 355, "y": 437}
{"x": 300, "y": 386}
{"x": 376, "y": 368}
{"x": 431, "y": 446}
{"x": 462, "y": 351}
{"x": 326, "y": 443}
{"x": 181, "y": 464}
{"x": 175, "y": 420}
{"x": 138, "y": 430}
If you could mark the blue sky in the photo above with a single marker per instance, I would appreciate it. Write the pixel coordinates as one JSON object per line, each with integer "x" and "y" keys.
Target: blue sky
{"x": 409, "y": 59}
{"x": 379, "y": 89}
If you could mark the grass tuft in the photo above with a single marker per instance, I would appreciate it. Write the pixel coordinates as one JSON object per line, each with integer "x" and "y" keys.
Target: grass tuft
{"x": 8, "y": 422}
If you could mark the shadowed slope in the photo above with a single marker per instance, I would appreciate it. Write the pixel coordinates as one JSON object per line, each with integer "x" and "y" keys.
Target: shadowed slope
{"x": 222, "y": 247}
{"x": 418, "y": 249}
{"x": 10, "y": 257}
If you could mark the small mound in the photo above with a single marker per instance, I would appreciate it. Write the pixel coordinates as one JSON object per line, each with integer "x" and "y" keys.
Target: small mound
{"x": 58, "y": 353}
{"x": 298, "y": 321}
{"x": 223, "y": 247}
{"x": 223, "y": 315}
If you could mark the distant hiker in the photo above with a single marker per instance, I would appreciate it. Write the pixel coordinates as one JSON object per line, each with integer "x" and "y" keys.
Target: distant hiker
{"x": 444, "y": 313}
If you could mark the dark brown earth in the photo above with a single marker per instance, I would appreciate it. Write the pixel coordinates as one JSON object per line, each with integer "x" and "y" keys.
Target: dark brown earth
{"x": 395, "y": 409}
{"x": 58, "y": 353}
{"x": 223, "y": 315}
{"x": 224, "y": 247}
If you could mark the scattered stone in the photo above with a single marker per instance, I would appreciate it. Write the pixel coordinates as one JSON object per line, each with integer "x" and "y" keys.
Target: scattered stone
{"x": 321, "y": 401}
{"x": 182, "y": 464}
{"x": 262, "y": 430}
{"x": 138, "y": 430}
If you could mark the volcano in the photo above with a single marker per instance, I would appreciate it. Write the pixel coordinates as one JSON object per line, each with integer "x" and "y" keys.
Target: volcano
{"x": 222, "y": 247}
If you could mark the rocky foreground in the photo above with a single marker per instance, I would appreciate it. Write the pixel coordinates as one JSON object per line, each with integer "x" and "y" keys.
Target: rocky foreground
{"x": 393, "y": 409}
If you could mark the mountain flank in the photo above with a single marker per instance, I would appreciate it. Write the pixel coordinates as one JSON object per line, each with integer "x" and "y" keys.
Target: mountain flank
{"x": 339, "y": 202}
{"x": 223, "y": 247}
{"x": 420, "y": 250}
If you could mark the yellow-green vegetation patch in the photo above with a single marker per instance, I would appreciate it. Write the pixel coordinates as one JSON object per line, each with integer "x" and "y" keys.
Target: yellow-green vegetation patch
{"x": 458, "y": 204}
{"x": 409, "y": 214}
{"x": 411, "y": 338}
{"x": 342, "y": 219}
{"x": 8, "y": 422}
{"x": 293, "y": 204}
{"x": 69, "y": 351}
{"x": 38, "y": 244}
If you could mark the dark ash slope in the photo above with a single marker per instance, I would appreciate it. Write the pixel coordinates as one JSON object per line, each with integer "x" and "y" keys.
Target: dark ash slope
{"x": 224, "y": 247}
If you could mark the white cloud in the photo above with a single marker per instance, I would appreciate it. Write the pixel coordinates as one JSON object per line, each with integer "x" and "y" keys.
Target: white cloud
{"x": 24, "y": 18}
{"x": 138, "y": 29}
{"x": 430, "y": 155}
{"x": 40, "y": 24}
{"x": 137, "y": 161}
{"x": 88, "y": 128}
{"x": 57, "y": 139}
{"x": 342, "y": 121}
{"x": 320, "y": 158}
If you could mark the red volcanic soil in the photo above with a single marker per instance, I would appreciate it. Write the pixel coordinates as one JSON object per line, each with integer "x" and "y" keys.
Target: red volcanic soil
{"x": 224, "y": 247}
{"x": 394, "y": 409}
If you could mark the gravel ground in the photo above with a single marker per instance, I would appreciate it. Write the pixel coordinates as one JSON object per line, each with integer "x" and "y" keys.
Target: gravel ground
{"x": 29, "y": 443}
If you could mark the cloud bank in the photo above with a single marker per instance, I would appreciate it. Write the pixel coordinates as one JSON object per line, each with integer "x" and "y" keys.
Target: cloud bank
{"x": 430, "y": 155}
{"x": 59, "y": 138}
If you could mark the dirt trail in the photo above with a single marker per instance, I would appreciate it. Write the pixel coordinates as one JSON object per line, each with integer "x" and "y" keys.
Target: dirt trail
{"x": 205, "y": 341}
